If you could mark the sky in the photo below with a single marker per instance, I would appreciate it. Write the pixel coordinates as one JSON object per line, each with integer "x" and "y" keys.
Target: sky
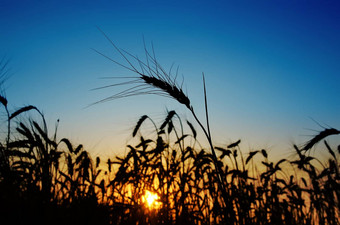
{"x": 271, "y": 67}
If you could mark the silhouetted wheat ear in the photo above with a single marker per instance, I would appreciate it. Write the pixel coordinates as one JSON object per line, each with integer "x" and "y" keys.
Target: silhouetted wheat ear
{"x": 167, "y": 119}
{"x": 193, "y": 130}
{"x": 251, "y": 155}
{"x": 319, "y": 137}
{"x": 3, "y": 100}
{"x": 264, "y": 153}
{"x": 21, "y": 110}
{"x": 139, "y": 123}
{"x": 168, "y": 88}
{"x": 235, "y": 144}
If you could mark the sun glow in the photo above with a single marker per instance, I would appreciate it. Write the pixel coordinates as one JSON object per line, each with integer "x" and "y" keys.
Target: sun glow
{"x": 151, "y": 200}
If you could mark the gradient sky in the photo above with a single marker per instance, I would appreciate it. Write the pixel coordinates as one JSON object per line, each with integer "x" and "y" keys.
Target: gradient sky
{"x": 271, "y": 67}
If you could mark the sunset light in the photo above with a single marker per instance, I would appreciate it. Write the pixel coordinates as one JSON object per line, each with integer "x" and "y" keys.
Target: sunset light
{"x": 169, "y": 112}
{"x": 151, "y": 200}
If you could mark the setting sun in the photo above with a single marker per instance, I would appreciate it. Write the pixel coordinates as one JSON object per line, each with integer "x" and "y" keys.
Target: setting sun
{"x": 151, "y": 199}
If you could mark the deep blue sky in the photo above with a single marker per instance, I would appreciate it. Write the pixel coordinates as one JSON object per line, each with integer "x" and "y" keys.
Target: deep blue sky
{"x": 270, "y": 66}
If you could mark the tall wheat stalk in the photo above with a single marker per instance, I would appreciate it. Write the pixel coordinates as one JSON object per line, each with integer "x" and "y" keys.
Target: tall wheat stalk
{"x": 153, "y": 79}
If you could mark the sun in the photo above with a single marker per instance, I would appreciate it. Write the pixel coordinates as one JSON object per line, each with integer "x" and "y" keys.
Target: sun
{"x": 151, "y": 200}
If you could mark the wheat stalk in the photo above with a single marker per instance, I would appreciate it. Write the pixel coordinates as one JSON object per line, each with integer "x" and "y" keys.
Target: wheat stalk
{"x": 153, "y": 79}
